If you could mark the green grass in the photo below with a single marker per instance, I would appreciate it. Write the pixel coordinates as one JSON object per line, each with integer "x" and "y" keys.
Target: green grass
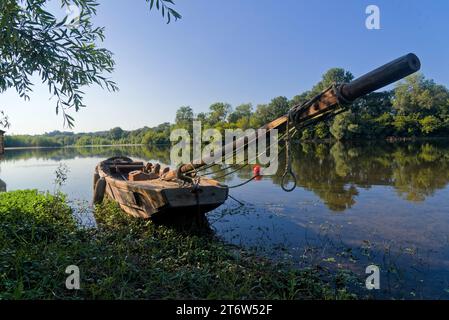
{"x": 126, "y": 258}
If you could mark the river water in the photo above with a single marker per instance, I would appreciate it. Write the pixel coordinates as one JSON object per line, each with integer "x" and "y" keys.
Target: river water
{"x": 356, "y": 204}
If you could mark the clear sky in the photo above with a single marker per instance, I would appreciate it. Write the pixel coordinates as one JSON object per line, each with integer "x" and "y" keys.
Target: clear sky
{"x": 237, "y": 51}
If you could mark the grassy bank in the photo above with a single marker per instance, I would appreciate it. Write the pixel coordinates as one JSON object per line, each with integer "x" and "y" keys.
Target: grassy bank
{"x": 126, "y": 258}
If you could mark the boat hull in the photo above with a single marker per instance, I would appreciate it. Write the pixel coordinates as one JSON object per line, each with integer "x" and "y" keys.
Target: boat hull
{"x": 157, "y": 199}
{"x": 143, "y": 203}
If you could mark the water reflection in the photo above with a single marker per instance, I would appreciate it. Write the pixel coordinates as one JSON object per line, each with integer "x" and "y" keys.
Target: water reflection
{"x": 2, "y": 183}
{"x": 334, "y": 172}
{"x": 161, "y": 153}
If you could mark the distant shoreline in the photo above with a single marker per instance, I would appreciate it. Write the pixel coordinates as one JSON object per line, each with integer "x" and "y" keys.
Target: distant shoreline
{"x": 328, "y": 140}
{"x": 386, "y": 139}
{"x": 75, "y": 146}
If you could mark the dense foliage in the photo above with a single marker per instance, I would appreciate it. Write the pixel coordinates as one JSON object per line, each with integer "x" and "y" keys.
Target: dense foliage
{"x": 115, "y": 136}
{"x": 416, "y": 107}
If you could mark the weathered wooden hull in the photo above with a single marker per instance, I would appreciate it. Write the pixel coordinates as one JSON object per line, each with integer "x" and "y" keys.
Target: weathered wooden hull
{"x": 144, "y": 203}
{"x": 162, "y": 200}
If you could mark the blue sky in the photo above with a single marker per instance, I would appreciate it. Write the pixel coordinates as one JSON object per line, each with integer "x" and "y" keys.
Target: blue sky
{"x": 237, "y": 51}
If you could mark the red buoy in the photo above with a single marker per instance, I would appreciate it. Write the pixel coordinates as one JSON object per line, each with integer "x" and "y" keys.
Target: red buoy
{"x": 256, "y": 171}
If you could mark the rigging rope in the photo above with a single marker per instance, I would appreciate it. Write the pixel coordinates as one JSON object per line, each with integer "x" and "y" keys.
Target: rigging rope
{"x": 238, "y": 185}
{"x": 246, "y": 164}
{"x": 225, "y": 157}
{"x": 288, "y": 172}
{"x": 256, "y": 176}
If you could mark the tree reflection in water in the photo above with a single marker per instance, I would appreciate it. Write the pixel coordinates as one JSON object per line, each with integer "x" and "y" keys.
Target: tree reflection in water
{"x": 2, "y": 186}
{"x": 335, "y": 172}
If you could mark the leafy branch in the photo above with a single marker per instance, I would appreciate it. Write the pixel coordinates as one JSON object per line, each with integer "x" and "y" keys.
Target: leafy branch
{"x": 64, "y": 54}
{"x": 165, "y": 8}
{"x": 4, "y": 121}
{"x": 33, "y": 41}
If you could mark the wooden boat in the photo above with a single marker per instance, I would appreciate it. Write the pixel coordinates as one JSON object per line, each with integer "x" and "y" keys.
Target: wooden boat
{"x": 157, "y": 198}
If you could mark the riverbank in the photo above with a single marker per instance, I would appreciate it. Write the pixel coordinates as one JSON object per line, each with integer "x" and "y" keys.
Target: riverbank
{"x": 389, "y": 139}
{"x": 125, "y": 258}
{"x": 74, "y": 146}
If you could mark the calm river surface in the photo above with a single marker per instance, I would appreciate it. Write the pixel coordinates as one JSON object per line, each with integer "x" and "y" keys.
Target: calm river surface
{"x": 356, "y": 204}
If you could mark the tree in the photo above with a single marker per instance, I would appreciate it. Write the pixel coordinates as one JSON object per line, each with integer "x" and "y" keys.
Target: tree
{"x": 306, "y": 134}
{"x": 201, "y": 117}
{"x": 373, "y": 104}
{"x": 381, "y": 126}
{"x": 155, "y": 137}
{"x": 334, "y": 75}
{"x": 163, "y": 127}
{"x": 321, "y": 130}
{"x": 339, "y": 127}
{"x": 299, "y": 99}
{"x": 407, "y": 125}
{"x": 116, "y": 133}
{"x": 184, "y": 116}
{"x": 416, "y": 94}
{"x": 244, "y": 123}
{"x": 261, "y": 116}
{"x": 218, "y": 112}
{"x": 429, "y": 124}
{"x": 330, "y": 77}
{"x": 241, "y": 111}
{"x": 265, "y": 113}
{"x": 64, "y": 54}
{"x": 279, "y": 106}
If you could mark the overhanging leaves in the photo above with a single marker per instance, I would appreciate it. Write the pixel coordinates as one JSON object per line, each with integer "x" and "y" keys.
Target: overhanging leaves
{"x": 165, "y": 8}
{"x": 65, "y": 54}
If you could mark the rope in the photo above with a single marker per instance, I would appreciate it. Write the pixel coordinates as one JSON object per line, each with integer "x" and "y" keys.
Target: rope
{"x": 243, "y": 165}
{"x": 288, "y": 172}
{"x": 224, "y": 158}
{"x": 256, "y": 176}
{"x": 229, "y": 173}
{"x": 236, "y": 200}
{"x": 238, "y": 185}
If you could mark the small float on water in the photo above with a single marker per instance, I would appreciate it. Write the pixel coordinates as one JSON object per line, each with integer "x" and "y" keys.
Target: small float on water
{"x": 146, "y": 191}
